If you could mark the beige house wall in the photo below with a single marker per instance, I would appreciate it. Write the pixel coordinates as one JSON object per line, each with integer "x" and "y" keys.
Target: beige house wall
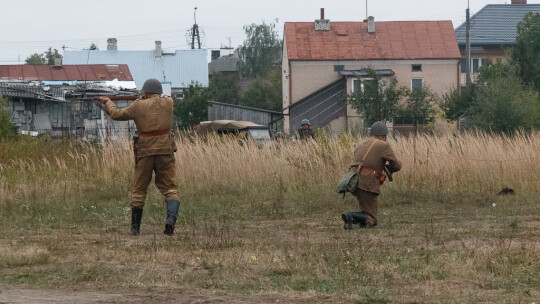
{"x": 302, "y": 78}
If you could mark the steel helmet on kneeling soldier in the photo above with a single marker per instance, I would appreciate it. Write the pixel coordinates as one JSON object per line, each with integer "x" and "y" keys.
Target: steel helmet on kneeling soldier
{"x": 305, "y": 122}
{"x": 152, "y": 85}
{"x": 378, "y": 129}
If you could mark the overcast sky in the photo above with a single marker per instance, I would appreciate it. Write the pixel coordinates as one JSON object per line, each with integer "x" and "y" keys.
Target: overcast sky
{"x": 31, "y": 26}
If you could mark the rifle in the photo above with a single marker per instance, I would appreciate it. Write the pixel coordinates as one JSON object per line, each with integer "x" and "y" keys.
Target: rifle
{"x": 388, "y": 174}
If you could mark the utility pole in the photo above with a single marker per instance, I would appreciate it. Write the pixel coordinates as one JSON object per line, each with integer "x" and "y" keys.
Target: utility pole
{"x": 195, "y": 32}
{"x": 366, "y": 10}
{"x": 468, "y": 47}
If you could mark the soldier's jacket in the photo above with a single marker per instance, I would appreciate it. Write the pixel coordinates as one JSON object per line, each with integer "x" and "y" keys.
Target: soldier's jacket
{"x": 152, "y": 114}
{"x": 305, "y": 134}
{"x": 380, "y": 153}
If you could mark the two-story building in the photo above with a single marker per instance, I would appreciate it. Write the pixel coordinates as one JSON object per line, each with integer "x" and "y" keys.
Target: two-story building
{"x": 492, "y": 30}
{"x": 323, "y": 60}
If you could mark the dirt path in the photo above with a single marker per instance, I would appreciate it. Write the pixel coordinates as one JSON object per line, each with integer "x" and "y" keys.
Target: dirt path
{"x": 30, "y": 295}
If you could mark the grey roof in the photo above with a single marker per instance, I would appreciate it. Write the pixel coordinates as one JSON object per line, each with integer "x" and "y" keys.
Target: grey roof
{"x": 180, "y": 68}
{"x": 24, "y": 90}
{"x": 495, "y": 24}
{"x": 227, "y": 63}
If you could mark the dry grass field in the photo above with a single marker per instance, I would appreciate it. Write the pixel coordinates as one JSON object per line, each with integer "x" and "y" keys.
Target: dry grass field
{"x": 263, "y": 224}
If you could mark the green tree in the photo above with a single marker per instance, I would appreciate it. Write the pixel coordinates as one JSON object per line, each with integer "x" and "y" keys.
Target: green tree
{"x": 93, "y": 47}
{"x": 46, "y": 58}
{"x": 193, "y": 108}
{"x": 224, "y": 88}
{"x": 264, "y": 93}
{"x": 375, "y": 98}
{"x": 525, "y": 54}
{"x": 261, "y": 51}
{"x": 458, "y": 102}
{"x": 505, "y": 105}
{"x": 498, "y": 102}
{"x": 36, "y": 59}
{"x": 419, "y": 105}
{"x": 7, "y": 127}
{"x": 51, "y": 54}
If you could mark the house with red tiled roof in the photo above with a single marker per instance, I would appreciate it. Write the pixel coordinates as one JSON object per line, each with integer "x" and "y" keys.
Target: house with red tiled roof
{"x": 323, "y": 61}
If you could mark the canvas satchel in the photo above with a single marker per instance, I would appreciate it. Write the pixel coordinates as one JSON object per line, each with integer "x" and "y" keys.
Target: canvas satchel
{"x": 349, "y": 181}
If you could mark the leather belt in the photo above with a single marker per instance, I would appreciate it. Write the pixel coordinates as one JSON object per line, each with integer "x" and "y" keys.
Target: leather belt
{"x": 372, "y": 171}
{"x": 155, "y": 133}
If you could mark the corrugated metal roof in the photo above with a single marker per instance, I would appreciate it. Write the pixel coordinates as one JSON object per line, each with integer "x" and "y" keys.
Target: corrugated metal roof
{"x": 31, "y": 91}
{"x": 95, "y": 72}
{"x": 181, "y": 68}
{"x": 391, "y": 40}
{"x": 495, "y": 24}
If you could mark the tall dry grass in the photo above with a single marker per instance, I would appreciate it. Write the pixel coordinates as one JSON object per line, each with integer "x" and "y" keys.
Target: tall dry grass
{"x": 267, "y": 219}
{"x": 477, "y": 163}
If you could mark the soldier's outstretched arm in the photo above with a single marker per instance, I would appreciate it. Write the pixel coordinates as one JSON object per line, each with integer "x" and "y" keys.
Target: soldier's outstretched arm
{"x": 118, "y": 114}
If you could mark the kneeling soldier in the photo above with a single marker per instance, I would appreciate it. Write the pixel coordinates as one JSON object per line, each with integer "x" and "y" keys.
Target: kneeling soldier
{"x": 370, "y": 158}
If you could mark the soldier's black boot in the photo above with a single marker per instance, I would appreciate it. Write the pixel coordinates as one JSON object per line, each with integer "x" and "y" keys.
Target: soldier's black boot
{"x": 347, "y": 220}
{"x": 136, "y": 216}
{"x": 359, "y": 218}
{"x": 172, "y": 213}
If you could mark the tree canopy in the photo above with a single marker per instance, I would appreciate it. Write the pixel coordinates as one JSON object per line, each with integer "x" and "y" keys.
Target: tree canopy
{"x": 525, "y": 54}
{"x": 224, "y": 88}
{"x": 46, "y": 57}
{"x": 375, "y": 98}
{"x": 193, "y": 108}
{"x": 261, "y": 50}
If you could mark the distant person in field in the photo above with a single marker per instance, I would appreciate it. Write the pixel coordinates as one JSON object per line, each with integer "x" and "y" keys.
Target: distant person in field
{"x": 370, "y": 158}
{"x": 305, "y": 132}
{"x": 154, "y": 150}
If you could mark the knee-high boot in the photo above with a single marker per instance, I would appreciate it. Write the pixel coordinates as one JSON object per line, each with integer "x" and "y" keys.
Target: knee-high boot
{"x": 172, "y": 213}
{"x": 136, "y": 216}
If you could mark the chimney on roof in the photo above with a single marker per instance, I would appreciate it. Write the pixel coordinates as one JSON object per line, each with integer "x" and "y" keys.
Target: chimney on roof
{"x": 157, "y": 51}
{"x": 519, "y": 1}
{"x": 111, "y": 44}
{"x": 322, "y": 24}
{"x": 215, "y": 54}
{"x": 371, "y": 24}
{"x": 57, "y": 61}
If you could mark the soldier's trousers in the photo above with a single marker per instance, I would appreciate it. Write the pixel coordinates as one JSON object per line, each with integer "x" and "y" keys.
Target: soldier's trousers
{"x": 368, "y": 202}
{"x": 164, "y": 167}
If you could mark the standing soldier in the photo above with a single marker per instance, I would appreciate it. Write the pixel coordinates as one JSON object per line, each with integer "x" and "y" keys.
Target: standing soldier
{"x": 370, "y": 158}
{"x": 305, "y": 132}
{"x": 154, "y": 148}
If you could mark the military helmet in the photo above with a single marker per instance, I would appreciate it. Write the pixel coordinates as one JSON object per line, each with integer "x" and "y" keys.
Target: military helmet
{"x": 305, "y": 122}
{"x": 378, "y": 128}
{"x": 279, "y": 134}
{"x": 152, "y": 85}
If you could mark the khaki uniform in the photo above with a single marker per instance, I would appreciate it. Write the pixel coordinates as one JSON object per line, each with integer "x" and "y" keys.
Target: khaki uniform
{"x": 305, "y": 134}
{"x": 155, "y": 147}
{"x": 369, "y": 185}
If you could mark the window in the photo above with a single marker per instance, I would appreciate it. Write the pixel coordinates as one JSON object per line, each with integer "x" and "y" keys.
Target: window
{"x": 358, "y": 84}
{"x": 417, "y": 68}
{"x": 338, "y": 67}
{"x": 476, "y": 63}
{"x": 417, "y": 83}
